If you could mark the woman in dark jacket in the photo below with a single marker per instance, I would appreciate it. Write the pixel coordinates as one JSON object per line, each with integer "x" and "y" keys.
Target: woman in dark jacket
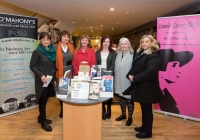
{"x": 42, "y": 64}
{"x": 144, "y": 75}
{"x": 64, "y": 54}
{"x": 106, "y": 58}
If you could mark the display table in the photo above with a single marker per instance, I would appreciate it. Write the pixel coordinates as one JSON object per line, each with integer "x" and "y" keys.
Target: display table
{"x": 82, "y": 119}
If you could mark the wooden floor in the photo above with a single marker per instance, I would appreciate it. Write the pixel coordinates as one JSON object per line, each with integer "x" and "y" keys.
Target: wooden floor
{"x": 23, "y": 126}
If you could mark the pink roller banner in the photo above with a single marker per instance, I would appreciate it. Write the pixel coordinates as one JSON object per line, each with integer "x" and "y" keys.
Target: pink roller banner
{"x": 179, "y": 73}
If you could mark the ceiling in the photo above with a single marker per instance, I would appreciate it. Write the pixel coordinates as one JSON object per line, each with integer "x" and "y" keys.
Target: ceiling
{"x": 93, "y": 17}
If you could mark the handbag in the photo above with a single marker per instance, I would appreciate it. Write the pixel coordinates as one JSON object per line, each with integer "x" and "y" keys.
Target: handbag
{"x": 129, "y": 90}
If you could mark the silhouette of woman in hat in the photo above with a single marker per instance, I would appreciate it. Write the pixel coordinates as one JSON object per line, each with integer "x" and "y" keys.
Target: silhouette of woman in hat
{"x": 170, "y": 72}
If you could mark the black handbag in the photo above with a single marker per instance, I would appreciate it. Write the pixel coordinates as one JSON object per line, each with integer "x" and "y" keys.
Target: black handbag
{"x": 129, "y": 90}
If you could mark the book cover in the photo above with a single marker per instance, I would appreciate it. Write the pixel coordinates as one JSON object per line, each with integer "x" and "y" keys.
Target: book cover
{"x": 94, "y": 91}
{"x": 80, "y": 91}
{"x": 107, "y": 86}
{"x": 96, "y": 72}
{"x": 62, "y": 89}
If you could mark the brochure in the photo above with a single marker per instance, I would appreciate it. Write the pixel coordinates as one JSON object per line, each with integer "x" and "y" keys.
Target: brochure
{"x": 48, "y": 78}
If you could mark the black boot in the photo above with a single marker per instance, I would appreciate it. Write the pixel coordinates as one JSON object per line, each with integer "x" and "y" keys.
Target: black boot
{"x": 109, "y": 103}
{"x": 45, "y": 126}
{"x": 108, "y": 113}
{"x": 129, "y": 122}
{"x": 122, "y": 103}
{"x": 103, "y": 111}
{"x": 61, "y": 109}
{"x": 138, "y": 129}
{"x": 122, "y": 117}
{"x": 39, "y": 120}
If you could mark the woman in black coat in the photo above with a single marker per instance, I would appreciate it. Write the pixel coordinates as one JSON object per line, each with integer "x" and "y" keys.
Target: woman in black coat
{"x": 144, "y": 75}
{"x": 105, "y": 57}
{"x": 42, "y": 64}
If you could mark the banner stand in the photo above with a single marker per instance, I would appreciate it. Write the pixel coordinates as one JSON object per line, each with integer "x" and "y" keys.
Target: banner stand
{"x": 177, "y": 115}
{"x": 18, "y": 39}
{"x": 17, "y": 111}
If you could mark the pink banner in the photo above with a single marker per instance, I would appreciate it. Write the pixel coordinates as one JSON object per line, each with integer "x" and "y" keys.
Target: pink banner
{"x": 179, "y": 72}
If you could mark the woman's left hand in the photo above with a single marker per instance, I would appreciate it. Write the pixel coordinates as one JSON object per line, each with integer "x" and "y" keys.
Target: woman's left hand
{"x": 130, "y": 78}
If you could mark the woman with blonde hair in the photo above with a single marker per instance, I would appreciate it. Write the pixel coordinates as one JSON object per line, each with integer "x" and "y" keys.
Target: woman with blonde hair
{"x": 122, "y": 66}
{"x": 144, "y": 75}
{"x": 84, "y": 52}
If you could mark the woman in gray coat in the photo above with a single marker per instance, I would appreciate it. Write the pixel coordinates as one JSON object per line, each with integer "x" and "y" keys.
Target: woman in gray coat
{"x": 64, "y": 54}
{"x": 122, "y": 66}
{"x": 42, "y": 64}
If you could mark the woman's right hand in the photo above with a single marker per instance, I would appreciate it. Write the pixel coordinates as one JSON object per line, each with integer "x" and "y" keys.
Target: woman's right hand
{"x": 43, "y": 79}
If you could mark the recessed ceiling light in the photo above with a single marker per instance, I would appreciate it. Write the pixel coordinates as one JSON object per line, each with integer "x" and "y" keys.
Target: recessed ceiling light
{"x": 127, "y": 12}
{"x": 101, "y": 17}
{"x": 80, "y": 28}
{"x": 101, "y": 25}
{"x": 91, "y": 30}
{"x": 112, "y": 28}
{"x": 117, "y": 23}
{"x": 90, "y": 26}
{"x": 111, "y": 9}
{"x": 87, "y": 19}
{"x": 73, "y": 22}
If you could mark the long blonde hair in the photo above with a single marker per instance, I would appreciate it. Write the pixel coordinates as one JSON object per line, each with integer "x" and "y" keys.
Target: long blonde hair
{"x": 79, "y": 44}
{"x": 154, "y": 45}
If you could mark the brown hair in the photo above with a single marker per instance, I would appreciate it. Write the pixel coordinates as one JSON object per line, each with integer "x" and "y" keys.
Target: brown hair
{"x": 111, "y": 43}
{"x": 43, "y": 35}
{"x": 64, "y": 32}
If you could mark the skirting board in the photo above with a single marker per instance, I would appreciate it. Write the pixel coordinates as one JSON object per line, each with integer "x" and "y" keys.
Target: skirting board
{"x": 177, "y": 115}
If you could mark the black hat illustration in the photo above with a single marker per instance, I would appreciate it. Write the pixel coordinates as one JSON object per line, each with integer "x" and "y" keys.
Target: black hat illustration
{"x": 168, "y": 55}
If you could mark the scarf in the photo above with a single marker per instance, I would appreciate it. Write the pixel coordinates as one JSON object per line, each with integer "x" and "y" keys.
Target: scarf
{"x": 59, "y": 59}
{"x": 50, "y": 54}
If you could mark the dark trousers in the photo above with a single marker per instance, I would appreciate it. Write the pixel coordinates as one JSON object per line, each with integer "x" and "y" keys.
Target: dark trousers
{"x": 108, "y": 102}
{"x": 61, "y": 107}
{"x": 43, "y": 101}
{"x": 147, "y": 117}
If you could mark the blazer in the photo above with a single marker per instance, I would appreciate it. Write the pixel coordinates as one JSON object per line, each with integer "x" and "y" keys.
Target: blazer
{"x": 110, "y": 61}
{"x": 79, "y": 56}
{"x": 145, "y": 71}
{"x": 40, "y": 65}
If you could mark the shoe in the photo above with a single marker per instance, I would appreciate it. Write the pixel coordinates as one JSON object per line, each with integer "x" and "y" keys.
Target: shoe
{"x": 138, "y": 129}
{"x": 104, "y": 114}
{"x": 108, "y": 113}
{"x": 45, "y": 126}
{"x": 120, "y": 118}
{"x": 48, "y": 121}
{"x": 61, "y": 115}
{"x": 143, "y": 135}
{"x": 129, "y": 122}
